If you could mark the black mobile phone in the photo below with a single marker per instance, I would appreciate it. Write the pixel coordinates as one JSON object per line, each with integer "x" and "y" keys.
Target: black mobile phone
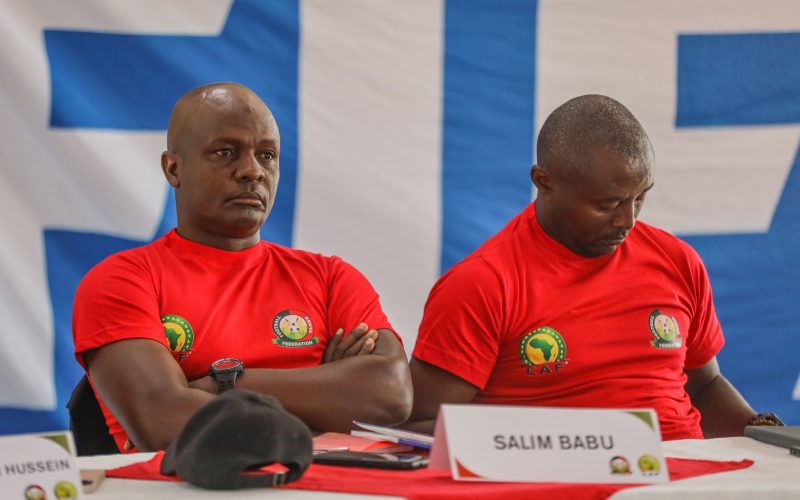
{"x": 371, "y": 460}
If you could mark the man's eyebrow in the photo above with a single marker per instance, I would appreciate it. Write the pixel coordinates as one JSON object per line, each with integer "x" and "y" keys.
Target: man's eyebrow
{"x": 621, "y": 198}
{"x": 233, "y": 140}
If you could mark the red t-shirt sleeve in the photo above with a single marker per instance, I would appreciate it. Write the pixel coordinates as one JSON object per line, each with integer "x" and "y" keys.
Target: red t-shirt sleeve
{"x": 705, "y": 338}
{"x": 353, "y": 300}
{"x": 461, "y": 326}
{"x": 116, "y": 300}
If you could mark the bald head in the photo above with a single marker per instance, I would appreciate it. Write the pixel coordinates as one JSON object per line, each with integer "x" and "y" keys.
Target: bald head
{"x": 194, "y": 111}
{"x": 579, "y": 127}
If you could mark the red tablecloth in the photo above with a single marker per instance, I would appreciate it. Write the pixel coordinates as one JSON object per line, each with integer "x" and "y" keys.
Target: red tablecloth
{"x": 427, "y": 484}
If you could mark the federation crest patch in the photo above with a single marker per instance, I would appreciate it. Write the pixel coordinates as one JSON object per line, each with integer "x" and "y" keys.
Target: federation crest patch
{"x": 665, "y": 331}
{"x": 620, "y": 465}
{"x": 293, "y": 328}
{"x": 543, "y": 351}
{"x": 179, "y": 333}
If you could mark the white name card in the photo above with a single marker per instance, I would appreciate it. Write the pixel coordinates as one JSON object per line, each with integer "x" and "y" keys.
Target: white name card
{"x": 535, "y": 444}
{"x": 39, "y": 466}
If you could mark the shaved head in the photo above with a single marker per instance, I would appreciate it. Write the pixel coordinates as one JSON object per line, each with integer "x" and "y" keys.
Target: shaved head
{"x": 185, "y": 122}
{"x": 582, "y": 125}
{"x": 593, "y": 169}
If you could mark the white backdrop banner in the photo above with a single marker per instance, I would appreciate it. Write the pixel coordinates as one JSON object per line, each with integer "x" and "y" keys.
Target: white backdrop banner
{"x": 408, "y": 129}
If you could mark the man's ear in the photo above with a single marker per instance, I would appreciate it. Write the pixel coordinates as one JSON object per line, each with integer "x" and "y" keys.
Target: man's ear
{"x": 169, "y": 165}
{"x": 542, "y": 179}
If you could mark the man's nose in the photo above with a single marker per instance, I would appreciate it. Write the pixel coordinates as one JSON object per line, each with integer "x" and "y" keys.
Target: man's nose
{"x": 249, "y": 169}
{"x": 625, "y": 216}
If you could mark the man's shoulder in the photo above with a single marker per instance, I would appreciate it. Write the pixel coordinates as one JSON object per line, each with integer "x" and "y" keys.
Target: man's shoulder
{"x": 297, "y": 254}
{"x": 299, "y": 259}
{"x": 664, "y": 241}
{"x": 123, "y": 268}
{"x": 507, "y": 240}
{"x": 498, "y": 255}
{"x": 131, "y": 257}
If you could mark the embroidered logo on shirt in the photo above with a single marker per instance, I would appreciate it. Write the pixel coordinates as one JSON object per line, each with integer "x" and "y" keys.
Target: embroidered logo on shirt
{"x": 543, "y": 351}
{"x": 294, "y": 329}
{"x": 179, "y": 333}
{"x": 664, "y": 328}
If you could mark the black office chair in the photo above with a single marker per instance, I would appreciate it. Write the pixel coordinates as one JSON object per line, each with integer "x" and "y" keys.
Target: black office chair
{"x": 87, "y": 423}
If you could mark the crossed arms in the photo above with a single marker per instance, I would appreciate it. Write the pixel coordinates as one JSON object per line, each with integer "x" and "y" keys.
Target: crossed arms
{"x": 364, "y": 376}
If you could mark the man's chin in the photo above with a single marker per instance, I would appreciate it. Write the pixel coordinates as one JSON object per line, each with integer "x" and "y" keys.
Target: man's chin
{"x": 599, "y": 249}
{"x": 243, "y": 227}
{"x": 606, "y": 248}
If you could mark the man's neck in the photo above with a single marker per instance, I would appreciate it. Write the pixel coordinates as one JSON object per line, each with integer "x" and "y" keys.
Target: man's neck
{"x": 227, "y": 243}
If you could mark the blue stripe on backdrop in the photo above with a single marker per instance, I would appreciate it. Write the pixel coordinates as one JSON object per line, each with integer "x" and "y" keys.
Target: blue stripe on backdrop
{"x": 488, "y": 119}
{"x": 738, "y": 79}
{"x": 751, "y": 79}
{"x": 130, "y": 82}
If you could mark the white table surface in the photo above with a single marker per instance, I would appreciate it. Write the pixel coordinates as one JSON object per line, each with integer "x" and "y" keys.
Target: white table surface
{"x": 135, "y": 489}
{"x": 774, "y": 475}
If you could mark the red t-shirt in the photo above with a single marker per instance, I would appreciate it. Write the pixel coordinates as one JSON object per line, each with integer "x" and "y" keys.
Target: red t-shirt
{"x": 270, "y": 306}
{"x": 529, "y": 322}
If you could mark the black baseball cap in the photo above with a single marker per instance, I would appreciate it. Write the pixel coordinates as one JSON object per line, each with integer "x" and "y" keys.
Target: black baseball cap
{"x": 239, "y": 431}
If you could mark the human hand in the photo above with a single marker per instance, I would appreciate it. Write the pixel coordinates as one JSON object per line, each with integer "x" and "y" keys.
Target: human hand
{"x": 360, "y": 340}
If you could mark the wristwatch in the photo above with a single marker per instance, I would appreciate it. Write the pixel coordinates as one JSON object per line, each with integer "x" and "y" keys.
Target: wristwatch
{"x": 765, "y": 419}
{"x": 224, "y": 371}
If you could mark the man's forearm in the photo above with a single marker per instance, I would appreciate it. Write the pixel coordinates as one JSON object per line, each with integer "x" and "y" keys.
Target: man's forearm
{"x": 329, "y": 397}
{"x": 724, "y": 411}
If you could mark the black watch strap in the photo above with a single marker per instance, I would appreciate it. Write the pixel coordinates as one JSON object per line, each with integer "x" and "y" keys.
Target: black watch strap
{"x": 225, "y": 371}
{"x": 226, "y": 381}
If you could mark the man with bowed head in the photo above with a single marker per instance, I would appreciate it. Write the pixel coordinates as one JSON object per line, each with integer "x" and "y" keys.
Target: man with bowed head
{"x": 163, "y": 328}
{"x": 576, "y": 304}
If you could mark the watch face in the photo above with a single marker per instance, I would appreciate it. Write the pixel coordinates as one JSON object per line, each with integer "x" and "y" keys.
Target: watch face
{"x": 226, "y": 364}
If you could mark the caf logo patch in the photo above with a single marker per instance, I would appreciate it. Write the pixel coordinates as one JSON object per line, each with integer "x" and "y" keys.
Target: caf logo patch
{"x": 179, "y": 333}
{"x": 543, "y": 351}
{"x": 293, "y": 328}
{"x": 665, "y": 331}
{"x": 649, "y": 465}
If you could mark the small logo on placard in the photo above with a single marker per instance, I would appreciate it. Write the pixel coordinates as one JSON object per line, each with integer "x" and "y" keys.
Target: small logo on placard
{"x": 35, "y": 492}
{"x": 180, "y": 335}
{"x": 620, "y": 465}
{"x": 293, "y": 328}
{"x": 64, "y": 490}
{"x": 543, "y": 351}
{"x": 665, "y": 331}
{"x": 649, "y": 465}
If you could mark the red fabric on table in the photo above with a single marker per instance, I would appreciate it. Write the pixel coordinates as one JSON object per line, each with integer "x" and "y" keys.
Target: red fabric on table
{"x": 427, "y": 484}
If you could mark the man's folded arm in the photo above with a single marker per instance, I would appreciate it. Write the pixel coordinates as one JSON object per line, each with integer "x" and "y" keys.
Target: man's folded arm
{"x": 145, "y": 389}
{"x": 374, "y": 388}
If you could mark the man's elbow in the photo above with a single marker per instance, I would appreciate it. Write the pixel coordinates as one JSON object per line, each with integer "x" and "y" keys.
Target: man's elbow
{"x": 145, "y": 441}
{"x": 395, "y": 396}
{"x": 397, "y": 410}
{"x": 154, "y": 426}
{"x": 149, "y": 432}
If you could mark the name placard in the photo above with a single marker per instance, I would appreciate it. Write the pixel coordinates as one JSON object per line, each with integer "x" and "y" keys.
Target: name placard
{"x": 39, "y": 466}
{"x": 535, "y": 444}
